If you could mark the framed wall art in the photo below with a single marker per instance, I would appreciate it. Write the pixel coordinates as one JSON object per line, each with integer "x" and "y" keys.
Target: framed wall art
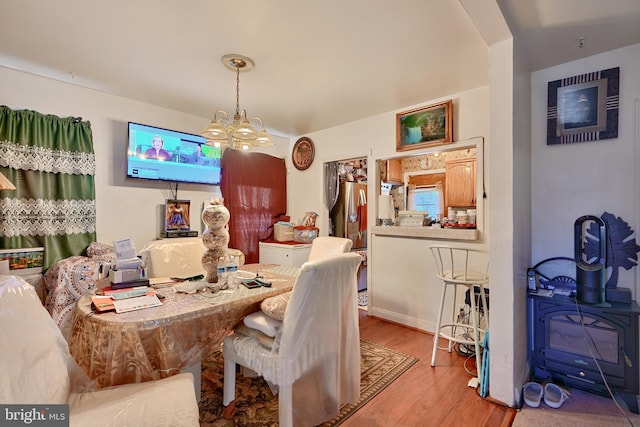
{"x": 177, "y": 215}
{"x": 583, "y": 108}
{"x": 303, "y": 153}
{"x": 425, "y": 127}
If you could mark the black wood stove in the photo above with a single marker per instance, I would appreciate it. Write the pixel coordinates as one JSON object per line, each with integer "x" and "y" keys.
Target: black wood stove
{"x": 565, "y": 337}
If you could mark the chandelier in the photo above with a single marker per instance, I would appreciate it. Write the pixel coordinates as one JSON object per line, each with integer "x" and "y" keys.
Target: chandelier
{"x": 239, "y": 133}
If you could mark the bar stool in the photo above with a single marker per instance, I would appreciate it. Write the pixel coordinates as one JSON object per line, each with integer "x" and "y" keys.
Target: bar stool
{"x": 468, "y": 268}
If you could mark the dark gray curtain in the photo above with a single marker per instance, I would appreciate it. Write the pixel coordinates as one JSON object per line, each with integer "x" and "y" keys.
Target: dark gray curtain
{"x": 51, "y": 162}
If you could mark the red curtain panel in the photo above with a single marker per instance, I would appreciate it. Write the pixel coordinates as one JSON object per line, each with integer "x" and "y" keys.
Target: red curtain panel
{"x": 254, "y": 187}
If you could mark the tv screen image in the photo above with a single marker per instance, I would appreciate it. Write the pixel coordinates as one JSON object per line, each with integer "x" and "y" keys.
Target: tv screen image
{"x": 167, "y": 155}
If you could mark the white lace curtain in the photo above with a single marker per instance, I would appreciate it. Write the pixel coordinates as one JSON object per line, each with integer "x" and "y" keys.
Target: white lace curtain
{"x": 51, "y": 162}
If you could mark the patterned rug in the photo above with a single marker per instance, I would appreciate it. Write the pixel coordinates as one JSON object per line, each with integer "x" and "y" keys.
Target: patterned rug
{"x": 257, "y": 406}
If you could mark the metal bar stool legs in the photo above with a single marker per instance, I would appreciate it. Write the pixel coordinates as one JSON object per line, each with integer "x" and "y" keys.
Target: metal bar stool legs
{"x": 476, "y": 331}
{"x": 436, "y": 336}
{"x": 456, "y": 331}
{"x": 452, "y": 337}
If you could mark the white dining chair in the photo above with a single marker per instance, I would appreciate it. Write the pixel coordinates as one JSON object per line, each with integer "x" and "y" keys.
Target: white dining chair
{"x": 323, "y": 246}
{"x": 315, "y": 359}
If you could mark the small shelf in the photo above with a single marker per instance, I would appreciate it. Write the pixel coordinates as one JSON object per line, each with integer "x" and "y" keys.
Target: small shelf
{"x": 427, "y": 232}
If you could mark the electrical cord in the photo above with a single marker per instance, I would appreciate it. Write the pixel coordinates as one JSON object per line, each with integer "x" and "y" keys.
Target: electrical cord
{"x": 489, "y": 399}
{"x": 469, "y": 352}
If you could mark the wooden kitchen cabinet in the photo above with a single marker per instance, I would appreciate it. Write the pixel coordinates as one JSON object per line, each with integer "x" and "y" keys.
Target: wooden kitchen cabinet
{"x": 460, "y": 183}
{"x": 394, "y": 172}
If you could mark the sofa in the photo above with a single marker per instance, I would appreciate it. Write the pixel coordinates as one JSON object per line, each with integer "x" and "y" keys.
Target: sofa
{"x": 38, "y": 371}
{"x": 68, "y": 279}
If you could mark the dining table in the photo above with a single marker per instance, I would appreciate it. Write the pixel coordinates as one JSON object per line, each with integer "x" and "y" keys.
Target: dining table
{"x": 156, "y": 342}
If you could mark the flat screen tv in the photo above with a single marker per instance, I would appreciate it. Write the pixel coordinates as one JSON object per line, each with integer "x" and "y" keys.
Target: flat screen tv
{"x": 168, "y": 155}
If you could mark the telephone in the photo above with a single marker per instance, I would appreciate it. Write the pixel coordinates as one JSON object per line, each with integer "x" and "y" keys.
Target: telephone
{"x": 555, "y": 274}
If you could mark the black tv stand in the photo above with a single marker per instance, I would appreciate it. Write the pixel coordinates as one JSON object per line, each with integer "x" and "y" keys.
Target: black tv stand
{"x": 178, "y": 233}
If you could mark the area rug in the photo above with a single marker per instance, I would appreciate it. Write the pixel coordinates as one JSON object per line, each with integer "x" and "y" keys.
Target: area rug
{"x": 257, "y": 406}
{"x": 581, "y": 409}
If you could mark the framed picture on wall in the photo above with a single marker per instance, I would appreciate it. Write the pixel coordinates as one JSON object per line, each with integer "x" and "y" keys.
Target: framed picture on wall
{"x": 583, "y": 108}
{"x": 177, "y": 215}
{"x": 425, "y": 127}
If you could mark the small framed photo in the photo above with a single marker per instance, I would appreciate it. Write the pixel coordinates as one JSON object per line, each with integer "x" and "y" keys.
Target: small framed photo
{"x": 177, "y": 215}
{"x": 583, "y": 108}
{"x": 425, "y": 127}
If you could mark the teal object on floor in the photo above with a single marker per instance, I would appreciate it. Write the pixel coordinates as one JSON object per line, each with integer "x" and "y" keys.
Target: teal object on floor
{"x": 484, "y": 384}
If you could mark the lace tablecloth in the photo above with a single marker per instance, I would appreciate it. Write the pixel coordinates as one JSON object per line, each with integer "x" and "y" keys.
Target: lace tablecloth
{"x": 160, "y": 341}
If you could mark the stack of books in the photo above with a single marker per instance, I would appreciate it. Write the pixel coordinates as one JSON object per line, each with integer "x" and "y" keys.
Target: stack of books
{"x": 124, "y": 300}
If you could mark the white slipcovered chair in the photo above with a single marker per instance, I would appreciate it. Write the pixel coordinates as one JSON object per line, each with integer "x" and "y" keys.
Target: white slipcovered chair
{"x": 37, "y": 369}
{"x": 324, "y": 246}
{"x": 315, "y": 359}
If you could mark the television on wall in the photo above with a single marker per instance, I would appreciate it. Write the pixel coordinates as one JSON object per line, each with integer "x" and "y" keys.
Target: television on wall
{"x": 166, "y": 155}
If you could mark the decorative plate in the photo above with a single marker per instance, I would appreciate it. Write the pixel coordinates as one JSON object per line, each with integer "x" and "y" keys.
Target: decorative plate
{"x": 303, "y": 153}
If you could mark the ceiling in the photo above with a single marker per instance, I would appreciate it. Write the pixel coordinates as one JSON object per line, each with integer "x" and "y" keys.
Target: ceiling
{"x": 318, "y": 64}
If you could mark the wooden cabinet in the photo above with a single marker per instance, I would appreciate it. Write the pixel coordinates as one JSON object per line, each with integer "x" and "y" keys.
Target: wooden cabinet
{"x": 284, "y": 254}
{"x": 460, "y": 183}
{"x": 394, "y": 172}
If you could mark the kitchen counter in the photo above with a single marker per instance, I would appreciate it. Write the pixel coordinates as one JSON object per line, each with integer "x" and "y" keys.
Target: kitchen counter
{"x": 427, "y": 232}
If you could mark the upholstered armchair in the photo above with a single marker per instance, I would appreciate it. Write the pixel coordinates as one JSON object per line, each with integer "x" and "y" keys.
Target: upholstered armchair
{"x": 314, "y": 359}
{"x": 37, "y": 369}
{"x": 70, "y": 278}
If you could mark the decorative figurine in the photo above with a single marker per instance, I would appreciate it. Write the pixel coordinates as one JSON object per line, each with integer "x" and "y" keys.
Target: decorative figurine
{"x": 215, "y": 237}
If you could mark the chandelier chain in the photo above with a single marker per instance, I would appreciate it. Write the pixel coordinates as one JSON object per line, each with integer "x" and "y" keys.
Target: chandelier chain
{"x": 236, "y": 133}
{"x": 237, "y": 89}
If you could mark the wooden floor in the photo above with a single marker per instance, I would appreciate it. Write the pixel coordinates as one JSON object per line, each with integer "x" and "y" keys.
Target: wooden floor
{"x": 424, "y": 395}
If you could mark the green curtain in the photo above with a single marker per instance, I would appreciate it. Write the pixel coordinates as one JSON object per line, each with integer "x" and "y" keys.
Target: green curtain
{"x": 51, "y": 162}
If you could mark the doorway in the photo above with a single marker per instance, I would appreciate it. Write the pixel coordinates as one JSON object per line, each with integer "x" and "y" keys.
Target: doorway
{"x": 346, "y": 194}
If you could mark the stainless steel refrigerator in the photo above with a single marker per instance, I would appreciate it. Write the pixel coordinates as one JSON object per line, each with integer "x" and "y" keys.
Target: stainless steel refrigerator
{"x": 349, "y": 214}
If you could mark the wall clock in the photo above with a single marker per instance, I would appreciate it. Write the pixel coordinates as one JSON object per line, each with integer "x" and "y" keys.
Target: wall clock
{"x": 303, "y": 153}
{"x": 426, "y": 163}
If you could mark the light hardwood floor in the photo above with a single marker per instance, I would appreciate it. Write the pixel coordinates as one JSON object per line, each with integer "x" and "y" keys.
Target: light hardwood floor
{"x": 424, "y": 395}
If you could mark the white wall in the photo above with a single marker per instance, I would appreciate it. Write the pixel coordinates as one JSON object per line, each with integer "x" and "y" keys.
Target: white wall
{"x": 374, "y": 137}
{"x": 521, "y": 211}
{"x": 509, "y": 218}
{"x": 587, "y": 178}
{"x": 402, "y": 283}
{"x": 125, "y": 207}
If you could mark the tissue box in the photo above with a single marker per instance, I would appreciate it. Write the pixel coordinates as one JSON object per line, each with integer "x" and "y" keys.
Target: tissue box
{"x": 304, "y": 234}
{"x": 282, "y": 233}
